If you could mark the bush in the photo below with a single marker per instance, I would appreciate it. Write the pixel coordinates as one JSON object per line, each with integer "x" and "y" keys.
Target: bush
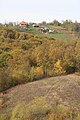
{"x": 38, "y": 72}
{"x": 6, "y": 80}
{"x": 4, "y": 117}
{"x": 39, "y": 109}
{"x": 4, "y": 60}
{"x": 36, "y": 109}
{"x": 25, "y": 46}
{"x": 8, "y": 33}
{"x": 4, "y": 77}
{"x": 32, "y": 74}
{"x": 23, "y": 36}
{"x": 17, "y": 113}
{"x": 58, "y": 70}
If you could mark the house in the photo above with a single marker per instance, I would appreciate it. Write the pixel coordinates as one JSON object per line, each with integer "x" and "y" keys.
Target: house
{"x": 35, "y": 25}
{"x": 51, "y": 30}
{"x": 23, "y": 24}
{"x": 44, "y": 29}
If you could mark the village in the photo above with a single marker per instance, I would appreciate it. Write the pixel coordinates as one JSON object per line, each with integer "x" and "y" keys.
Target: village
{"x": 42, "y": 27}
{"x": 52, "y": 30}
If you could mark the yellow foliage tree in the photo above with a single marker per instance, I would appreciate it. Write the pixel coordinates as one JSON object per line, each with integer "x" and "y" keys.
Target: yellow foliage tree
{"x": 39, "y": 72}
{"x": 58, "y": 69}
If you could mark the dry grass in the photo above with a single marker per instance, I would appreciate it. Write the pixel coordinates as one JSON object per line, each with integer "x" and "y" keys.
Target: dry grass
{"x": 60, "y": 90}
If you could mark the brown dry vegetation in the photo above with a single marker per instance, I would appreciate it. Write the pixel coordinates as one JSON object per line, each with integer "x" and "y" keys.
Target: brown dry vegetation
{"x": 61, "y": 89}
{"x": 57, "y": 90}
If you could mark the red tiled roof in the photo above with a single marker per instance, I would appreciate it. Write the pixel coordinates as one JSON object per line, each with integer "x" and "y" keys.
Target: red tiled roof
{"x": 23, "y": 23}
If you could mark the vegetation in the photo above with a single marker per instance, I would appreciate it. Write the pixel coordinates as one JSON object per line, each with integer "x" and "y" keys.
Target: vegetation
{"x": 25, "y": 56}
{"x": 39, "y": 109}
{"x": 28, "y": 54}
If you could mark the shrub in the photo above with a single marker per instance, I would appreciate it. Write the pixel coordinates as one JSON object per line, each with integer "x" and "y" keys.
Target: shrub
{"x": 23, "y": 36}
{"x": 38, "y": 72}
{"x": 6, "y": 49}
{"x": 78, "y": 116}
{"x": 4, "y": 60}
{"x": 58, "y": 68}
{"x": 17, "y": 113}
{"x": 25, "y": 46}
{"x": 3, "y": 117}
{"x": 17, "y": 35}
{"x": 4, "y": 80}
{"x": 39, "y": 109}
{"x": 11, "y": 35}
{"x": 35, "y": 110}
{"x": 32, "y": 74}
{"x": 8, "y": 33}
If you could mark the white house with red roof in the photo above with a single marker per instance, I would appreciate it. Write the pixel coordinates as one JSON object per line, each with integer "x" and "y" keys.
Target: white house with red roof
{"x": 23, "y": 24}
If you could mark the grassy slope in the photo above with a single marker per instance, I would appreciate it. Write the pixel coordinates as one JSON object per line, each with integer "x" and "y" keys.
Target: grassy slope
{"x": 62, "y": 89}
{"x": 60, "y": 34}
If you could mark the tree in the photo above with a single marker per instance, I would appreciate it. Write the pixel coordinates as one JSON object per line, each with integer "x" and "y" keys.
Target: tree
{"x": 67, "y": 24}
{"x": 58, "y": 68}
{"x": 76, "y": 27}
{"x": 56, "y": 23}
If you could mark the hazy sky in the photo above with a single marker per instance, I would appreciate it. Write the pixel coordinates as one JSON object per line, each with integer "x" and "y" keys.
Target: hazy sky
{"x": 39, "y": 10}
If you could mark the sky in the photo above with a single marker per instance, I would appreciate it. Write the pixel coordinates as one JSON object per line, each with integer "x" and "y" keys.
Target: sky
{"x": 39, "y": 10}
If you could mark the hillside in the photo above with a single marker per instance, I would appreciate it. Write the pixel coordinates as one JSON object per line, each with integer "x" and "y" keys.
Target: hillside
{"x": 62, "y": 90}
{"x": 30, "y": 58}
